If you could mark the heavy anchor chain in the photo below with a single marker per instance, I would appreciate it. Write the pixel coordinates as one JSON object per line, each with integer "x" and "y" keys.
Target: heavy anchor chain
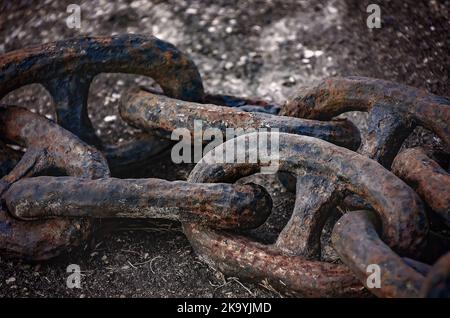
{"x": 66, "y": 69}
{"x": 394, "y": 111}
{"x": 48, "y": 147}
{"x": 42, "y": 215}
{"x": 326, "y": 173}
{"x": 90, "y": 193}
{"x": 427, "y": 177}
{"x": 161, "y": 115}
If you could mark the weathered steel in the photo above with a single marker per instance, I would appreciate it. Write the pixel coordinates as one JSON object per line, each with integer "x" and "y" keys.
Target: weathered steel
{"x": 66, "y": 69}
{"x": 42, "y": 216}
{"x": 222, "y": 206}
{"x": 437, "y": 282}
{"x": 160, "y": 114}
{"x": 355, "y": 238}
{"x": 130, "y": 157}
{"x": 48, "y": 147}
{"x": 294, "y": 275}
{"x": 424, "y": 175}
{"x": 330, "y": 172}
{"x": 394, "y": 111}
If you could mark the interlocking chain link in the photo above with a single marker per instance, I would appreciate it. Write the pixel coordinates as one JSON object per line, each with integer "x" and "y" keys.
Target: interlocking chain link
{"x": 385, "y": 221}
{"x": 49, "y": 146}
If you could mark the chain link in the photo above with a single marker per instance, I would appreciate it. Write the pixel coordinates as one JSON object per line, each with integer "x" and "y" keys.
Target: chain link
{"x": 53, "y": 192}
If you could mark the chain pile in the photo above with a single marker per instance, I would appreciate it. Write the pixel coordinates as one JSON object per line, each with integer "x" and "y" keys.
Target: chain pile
{"x": 53, "y": 193}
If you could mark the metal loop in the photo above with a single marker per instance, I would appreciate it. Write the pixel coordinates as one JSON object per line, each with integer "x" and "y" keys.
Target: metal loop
{"x": 358, "y": 245}
{"x": 394, "y": 111}
{"x": 66, "y": 68}
{"x": 158, "y": 114}
{"x": 48, "y": 146}
{"x": 427, "y": 178}
{"x": 322, "y": 166}
{"x": 222, "y": 206}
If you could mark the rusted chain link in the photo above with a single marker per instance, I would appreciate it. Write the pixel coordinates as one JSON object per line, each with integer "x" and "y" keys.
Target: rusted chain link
{"x": 356, "y": 241}
{"x": 425, "y": 176}
{"x": 42, "y": 215}
{"x": 66, "y": 69}
{"x": 48, "y": 147}
{"x": 330, "y": 171}
{"x": 394, "y": 111}
{"x": 222, "y": 206}
{"x": 159, "y": 114}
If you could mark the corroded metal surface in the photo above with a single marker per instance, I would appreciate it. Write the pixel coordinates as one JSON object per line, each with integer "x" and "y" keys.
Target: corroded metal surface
{"x": 67, "y": 68}
{"x": 160, "y": 114}
{"x": 222, "y": 206}
{"x": 427, "y": 178}
{"x": 394, "y": 111}
{"x": 326, "y": 172}
{"x": 48, "y": 146}
{"x": 42, "y": 216}
{"x": 437, "y": 282}
{"x": 355, "y": 238}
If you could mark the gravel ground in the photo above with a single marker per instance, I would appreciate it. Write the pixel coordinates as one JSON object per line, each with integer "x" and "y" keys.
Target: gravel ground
{"x": 252, "y": 48}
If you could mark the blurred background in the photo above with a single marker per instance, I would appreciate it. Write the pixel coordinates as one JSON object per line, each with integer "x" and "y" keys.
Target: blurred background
{"x": 264, "y": 49}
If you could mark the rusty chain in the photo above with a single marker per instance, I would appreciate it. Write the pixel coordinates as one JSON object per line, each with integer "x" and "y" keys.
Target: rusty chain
{"x": 53, "y": 193}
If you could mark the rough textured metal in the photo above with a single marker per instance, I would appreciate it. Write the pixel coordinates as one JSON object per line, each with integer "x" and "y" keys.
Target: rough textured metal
{"x": 424, "y": 175}
{"x": 160, "y": 114}
{"x": 67, "y": 68}
{"x": 294, "y": 275}
{"x": 355, "y": 238}
{"x": 48, "y": 146}
{"x": 394, "y": 111}
{"x": 222, "y": 206}
{"x": 326, "y": 172}
{"x": 437, "y": 282}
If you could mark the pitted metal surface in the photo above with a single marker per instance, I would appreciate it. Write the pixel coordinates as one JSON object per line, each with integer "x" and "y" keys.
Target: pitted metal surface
{"x": 48, "y": 147}
{"x": 320, "y": 165}
{"x": 56, "y": 180}
{"x": 394, "y": 111}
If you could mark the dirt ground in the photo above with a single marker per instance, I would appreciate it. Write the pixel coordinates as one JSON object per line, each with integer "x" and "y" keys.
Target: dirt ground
{"x": 247, "y": 48}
